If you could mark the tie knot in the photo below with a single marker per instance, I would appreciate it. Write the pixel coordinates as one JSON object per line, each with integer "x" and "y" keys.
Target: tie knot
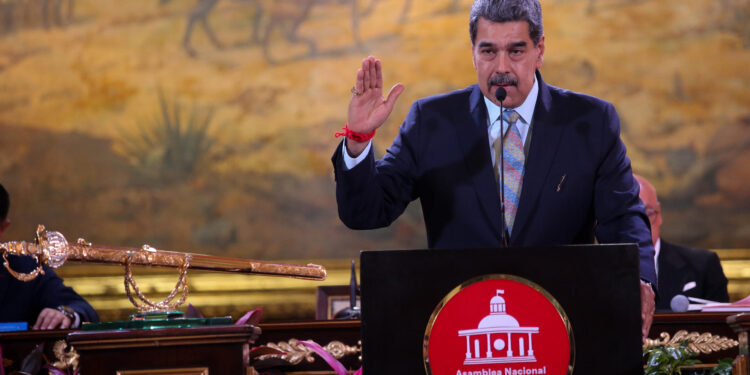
{"x": 511, "y": 116}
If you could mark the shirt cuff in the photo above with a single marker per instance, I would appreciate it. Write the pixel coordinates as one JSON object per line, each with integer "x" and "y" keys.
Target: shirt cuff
{"x": 75, "y": 318}
{"x": 352, "y": 162}
{"x": 77, "y": 322}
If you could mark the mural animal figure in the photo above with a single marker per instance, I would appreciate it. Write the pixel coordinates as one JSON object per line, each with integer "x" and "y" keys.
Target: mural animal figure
{"x": 57, "y": 12}
{"x": 199, "y": 15}
{"x": 404, "y": 16}
{"x": 28, "y": 13}
{"x": 290, "y": 20}
{"x": 288, "y": 16}
{"x": 6, "y": 15}
{"x": 284, "y": 15}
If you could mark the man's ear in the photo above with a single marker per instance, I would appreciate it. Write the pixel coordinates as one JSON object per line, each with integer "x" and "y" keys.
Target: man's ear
{"x": 540, "y": 57}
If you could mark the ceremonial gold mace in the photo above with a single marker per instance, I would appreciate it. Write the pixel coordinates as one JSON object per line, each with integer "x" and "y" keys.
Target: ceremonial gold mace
{"x": 53, "y": 249}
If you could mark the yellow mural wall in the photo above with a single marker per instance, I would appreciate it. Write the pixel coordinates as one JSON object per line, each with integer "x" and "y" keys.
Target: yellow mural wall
{"x": 207, "y": 126}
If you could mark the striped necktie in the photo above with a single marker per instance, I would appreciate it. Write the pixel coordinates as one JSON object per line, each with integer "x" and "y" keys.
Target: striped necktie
{"x": 513, "y": 166}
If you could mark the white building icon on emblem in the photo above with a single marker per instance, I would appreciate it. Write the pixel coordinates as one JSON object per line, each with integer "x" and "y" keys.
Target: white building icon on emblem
{"x": 499, "y": 338}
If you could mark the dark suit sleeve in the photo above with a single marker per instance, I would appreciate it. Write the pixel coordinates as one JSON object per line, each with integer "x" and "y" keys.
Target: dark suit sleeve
{"x": 51, "y": 292}
{"x": 715, "y": 281}
{"x": 23, "y": 301}
{"x": 620, "y": 215}
{"x": 374, "y": 193}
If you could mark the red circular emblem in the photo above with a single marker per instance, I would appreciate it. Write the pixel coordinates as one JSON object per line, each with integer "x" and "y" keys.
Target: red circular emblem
{"x": 499, "y": 325}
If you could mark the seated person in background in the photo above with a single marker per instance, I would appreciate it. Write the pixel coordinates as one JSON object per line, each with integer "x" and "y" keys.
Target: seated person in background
{"x": 45, "y": 302}
{"x": 681, "y": 270}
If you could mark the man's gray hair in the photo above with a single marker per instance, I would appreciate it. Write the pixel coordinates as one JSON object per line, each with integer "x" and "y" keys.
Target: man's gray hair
{"x": 508, "y": 11}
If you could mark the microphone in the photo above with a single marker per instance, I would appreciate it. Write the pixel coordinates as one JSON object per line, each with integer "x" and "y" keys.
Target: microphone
{"x": 681, "y": 303}
{"x": 500, "y": 95}
{"x": 353, "y": 311}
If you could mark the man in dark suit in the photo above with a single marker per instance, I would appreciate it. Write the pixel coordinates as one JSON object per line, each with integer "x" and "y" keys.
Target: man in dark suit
{"x": 45, "y": 302}
{"x": 568, "y": 185}
{"x": 681, "y": 270}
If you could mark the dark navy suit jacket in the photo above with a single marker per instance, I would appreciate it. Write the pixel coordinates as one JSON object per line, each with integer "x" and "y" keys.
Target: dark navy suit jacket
{"x": 578, "y": 183}
{"x": 23, "y": 301}
{"x": 681, "y": 266}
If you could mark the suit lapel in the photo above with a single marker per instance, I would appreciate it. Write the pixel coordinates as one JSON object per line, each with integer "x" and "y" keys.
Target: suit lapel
{"x": 545, "y": 140}
{"x": 474, "y": 144}
{"x": 670, "y": 264}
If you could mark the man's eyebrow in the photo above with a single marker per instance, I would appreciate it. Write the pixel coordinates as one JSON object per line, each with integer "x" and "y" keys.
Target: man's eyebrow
{"x": 520, "y": 43}
{"x": 485, "y": 44}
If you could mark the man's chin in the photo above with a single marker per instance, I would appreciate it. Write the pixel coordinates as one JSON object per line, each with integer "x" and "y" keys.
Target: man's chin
{"x": 511, "y": 102}
{"x": 511, "y": 98}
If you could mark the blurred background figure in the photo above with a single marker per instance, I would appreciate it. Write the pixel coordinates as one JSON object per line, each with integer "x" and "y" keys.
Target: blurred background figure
{"x": 681, "y": 270}
{"x": 45, "y": 302}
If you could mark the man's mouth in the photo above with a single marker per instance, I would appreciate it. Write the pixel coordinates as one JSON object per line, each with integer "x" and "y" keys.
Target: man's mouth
{"x": 503, "y": 81}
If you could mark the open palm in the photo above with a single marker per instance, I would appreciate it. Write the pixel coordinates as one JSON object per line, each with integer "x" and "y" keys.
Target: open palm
{"x": 368, "y": 110}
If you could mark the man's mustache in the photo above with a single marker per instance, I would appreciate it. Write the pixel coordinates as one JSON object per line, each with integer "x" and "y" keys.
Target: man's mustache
{"x": 503, "y": 80}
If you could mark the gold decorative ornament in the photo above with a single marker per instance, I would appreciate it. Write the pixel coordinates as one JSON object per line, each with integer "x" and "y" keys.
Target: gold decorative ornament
{"x": 53, "y": 249}
{"x": 340, "y": 350}
{"x": 294, "y": 352}
{"x": 705, "y": 343}
{"x": 26, "y": 277}
{"x": 145, "y": 304}
{"x": 67, "y": 357}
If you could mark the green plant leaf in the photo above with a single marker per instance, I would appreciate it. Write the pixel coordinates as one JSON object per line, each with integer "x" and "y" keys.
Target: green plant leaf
{"x": 172, "y": 144}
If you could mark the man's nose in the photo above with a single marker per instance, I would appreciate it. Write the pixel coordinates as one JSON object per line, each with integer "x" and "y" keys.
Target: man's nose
{"x": 503, "y": 63}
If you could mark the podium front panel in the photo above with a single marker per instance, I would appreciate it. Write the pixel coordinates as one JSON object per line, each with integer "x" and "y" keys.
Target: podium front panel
{"x": 596, "y": 285}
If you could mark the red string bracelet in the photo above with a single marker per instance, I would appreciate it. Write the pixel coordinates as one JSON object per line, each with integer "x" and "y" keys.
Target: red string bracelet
{"x": 354, "y": 136}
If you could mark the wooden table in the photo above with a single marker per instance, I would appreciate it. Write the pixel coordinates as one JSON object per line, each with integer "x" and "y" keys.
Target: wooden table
{"x": 222, "y": 348}
{"x": 701, "y": 322}
{"x": 194, "y": 350}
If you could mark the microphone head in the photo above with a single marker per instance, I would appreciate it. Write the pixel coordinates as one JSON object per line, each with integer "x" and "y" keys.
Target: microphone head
{"x": 679, "y": 303}
{"x": 500, "y": 94}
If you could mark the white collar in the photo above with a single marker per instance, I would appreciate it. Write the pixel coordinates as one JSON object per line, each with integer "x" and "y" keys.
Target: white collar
{"x": 525, "y": 110}
{"x": 657, "y": 249}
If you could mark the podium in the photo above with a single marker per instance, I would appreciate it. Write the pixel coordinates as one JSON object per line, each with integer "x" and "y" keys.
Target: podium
{"x": 597, "y": 286}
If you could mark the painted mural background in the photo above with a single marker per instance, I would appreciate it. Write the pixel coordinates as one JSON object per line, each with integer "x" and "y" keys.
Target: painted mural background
{"x": 208, "y": 126}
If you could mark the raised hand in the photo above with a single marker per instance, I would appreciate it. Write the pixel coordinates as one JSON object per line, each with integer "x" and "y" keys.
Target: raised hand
{"x": 368, "y": 110}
